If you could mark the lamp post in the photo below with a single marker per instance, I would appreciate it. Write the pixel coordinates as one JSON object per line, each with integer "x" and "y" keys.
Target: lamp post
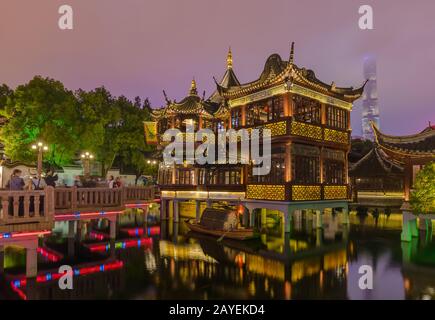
{"x": 40, "y": 147}
{"x": 86, "y": 158}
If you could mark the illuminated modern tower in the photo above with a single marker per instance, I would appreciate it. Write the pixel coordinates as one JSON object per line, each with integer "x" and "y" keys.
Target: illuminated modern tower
{"x": 370, "y": 110}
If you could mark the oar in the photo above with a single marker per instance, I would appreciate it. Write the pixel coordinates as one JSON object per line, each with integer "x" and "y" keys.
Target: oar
{"x": 222, "y": 236}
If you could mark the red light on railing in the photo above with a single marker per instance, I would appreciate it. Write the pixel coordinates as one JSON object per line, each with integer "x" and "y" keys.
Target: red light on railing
{"x": 133, "y": 231}
{"x": 49, "y": 254}
{"x": 78, "y": 215}
{"x": 154, "y": 231}
{"x": 18, "y": 284}
{"x": 98, "y": 235}
{"x": 8, "y": 235}
{"x": 136, "y": 205}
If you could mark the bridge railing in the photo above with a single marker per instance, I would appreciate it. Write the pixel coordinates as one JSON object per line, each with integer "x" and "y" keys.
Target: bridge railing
{"x": 79, "y": 198}
{"x": 138, "y": 193}
{"x": 34, "y": 210}
{"x": 19, "y": 208}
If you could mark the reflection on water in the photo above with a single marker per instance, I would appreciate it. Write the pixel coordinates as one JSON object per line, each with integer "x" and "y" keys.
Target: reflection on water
{"x": 165, "y": 261}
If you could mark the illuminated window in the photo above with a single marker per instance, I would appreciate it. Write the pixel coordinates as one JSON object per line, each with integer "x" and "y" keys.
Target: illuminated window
{"x": 306, "y": 110}
{"x": 337, "y": 117}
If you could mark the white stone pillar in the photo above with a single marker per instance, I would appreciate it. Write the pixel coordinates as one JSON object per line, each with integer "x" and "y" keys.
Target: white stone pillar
{"x": 31, "y": 262}
{"x": 251, "y": 218}
{"x": 263, "y": 217}
{"x": 163, "y": 209}
{"x": 198, "y": 210}
{"x": 317, "y": 222}
{"x": 319, "y": 239}
{"x": 113, "y": 228}
{"x": 288, "y": 216}
{"x": 176, "y": 210}
{"x": 345, "y": 212}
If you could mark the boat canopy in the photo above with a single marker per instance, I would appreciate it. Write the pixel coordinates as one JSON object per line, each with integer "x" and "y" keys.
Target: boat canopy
{"x": 219, "y": 219}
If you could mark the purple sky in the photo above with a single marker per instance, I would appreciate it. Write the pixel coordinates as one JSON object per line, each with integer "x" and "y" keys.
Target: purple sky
{"x": 139, "y": 47}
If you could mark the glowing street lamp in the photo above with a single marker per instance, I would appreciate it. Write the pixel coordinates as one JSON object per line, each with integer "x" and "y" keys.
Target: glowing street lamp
{"x": 40, "y": 147}
{"x": 86, "y": 159}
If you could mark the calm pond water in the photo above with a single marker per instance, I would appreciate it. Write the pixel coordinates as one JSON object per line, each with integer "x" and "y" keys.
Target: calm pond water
{"x": 149, "y": 260}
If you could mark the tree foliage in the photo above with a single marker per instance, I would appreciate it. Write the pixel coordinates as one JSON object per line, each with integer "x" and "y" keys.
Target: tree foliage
{"x": 423, "y": 194}
{"x": 71, "y": 122}
{"x": 41, "y": 110}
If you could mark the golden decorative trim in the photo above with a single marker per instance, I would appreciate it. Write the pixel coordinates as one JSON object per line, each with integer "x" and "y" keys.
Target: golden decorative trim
{"x": 335, "y": 192}
{"x": 265, "y": 192}
{"x": 302, "y": 193}
{"x": 306, "y": 130}
{"x": 281, "y": 89}
{"x": 277, "y": 128}
{"x": 320, "y": 97}
{"x": 336, "y": 136}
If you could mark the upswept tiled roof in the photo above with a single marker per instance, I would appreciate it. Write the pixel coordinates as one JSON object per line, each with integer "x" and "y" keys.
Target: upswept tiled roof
{"x": 375, "y": 163}
{"x": 278, "y": 71}
{"x": 275, "y": 72}
{"x": 192, "y": 104}
{"x": 420, "y": 144}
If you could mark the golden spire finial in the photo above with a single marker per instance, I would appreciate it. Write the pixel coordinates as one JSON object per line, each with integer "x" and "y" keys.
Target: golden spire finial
{"x": 292, "y": 53}
{"x": 193, "y": 90}
{"x": 229, "y": 59}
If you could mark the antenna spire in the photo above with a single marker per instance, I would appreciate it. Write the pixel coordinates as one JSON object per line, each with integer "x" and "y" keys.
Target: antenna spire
{"x": 230, "y": 59}
{"x": 292, "y": 53}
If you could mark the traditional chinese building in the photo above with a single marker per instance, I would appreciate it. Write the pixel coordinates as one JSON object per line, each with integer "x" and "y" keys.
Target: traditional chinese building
{"x": 377, "y": 180}
{"x": 310, "y": 128}
{"x": 413, "y": 152}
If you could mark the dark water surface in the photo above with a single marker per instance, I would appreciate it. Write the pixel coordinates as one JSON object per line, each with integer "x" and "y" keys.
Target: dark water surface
{"x": 168, "y": 262}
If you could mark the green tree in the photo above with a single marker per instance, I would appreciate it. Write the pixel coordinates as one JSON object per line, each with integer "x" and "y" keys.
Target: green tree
{"x": 5, "y": 94}
{"x": 423, "y": 194}
{"x": 131, "y": 134}
{"x": 41, "y": 110}
{"x": 103, "y": 116}
{"x": 69, "y": 123}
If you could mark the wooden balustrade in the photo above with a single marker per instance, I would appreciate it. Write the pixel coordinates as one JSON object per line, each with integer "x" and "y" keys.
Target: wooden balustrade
{"x": 35, "y": 210}
{"x": 99, "y": 198}
{"x": 26, "y": 210}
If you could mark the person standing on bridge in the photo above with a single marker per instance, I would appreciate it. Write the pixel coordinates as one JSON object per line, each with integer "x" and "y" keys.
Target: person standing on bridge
{"x": 111, "y": 182}
{"x": 16, "y": 182}
{"x": 51, "y": 178}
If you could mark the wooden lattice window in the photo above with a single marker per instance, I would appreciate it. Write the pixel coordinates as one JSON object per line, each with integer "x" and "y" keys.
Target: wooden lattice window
{"x": 337, "y": 118}
{"x": 306, "y": 110}
{"x": 306, "y": 170}
{"x": 236, "y": 118}
{"x": 333, "y": 172}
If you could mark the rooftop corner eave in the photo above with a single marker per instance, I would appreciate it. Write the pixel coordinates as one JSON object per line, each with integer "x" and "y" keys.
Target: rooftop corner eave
{"x": 294, "y": 88}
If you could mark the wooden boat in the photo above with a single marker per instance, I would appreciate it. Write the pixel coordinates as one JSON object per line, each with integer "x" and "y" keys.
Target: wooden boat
{"x": 222, "y": 223}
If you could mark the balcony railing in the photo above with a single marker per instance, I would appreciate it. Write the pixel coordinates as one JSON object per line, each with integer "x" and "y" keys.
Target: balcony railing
{"x": 297, "y": 192}
{"x": 291, "y": 127}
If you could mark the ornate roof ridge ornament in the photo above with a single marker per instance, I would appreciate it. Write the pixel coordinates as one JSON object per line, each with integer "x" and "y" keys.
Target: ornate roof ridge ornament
{"x": 229, "y": 59}
{"x": 193, "y": 91}
{"x": 292, "y": 53}
{"x": 168, "y": 102}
